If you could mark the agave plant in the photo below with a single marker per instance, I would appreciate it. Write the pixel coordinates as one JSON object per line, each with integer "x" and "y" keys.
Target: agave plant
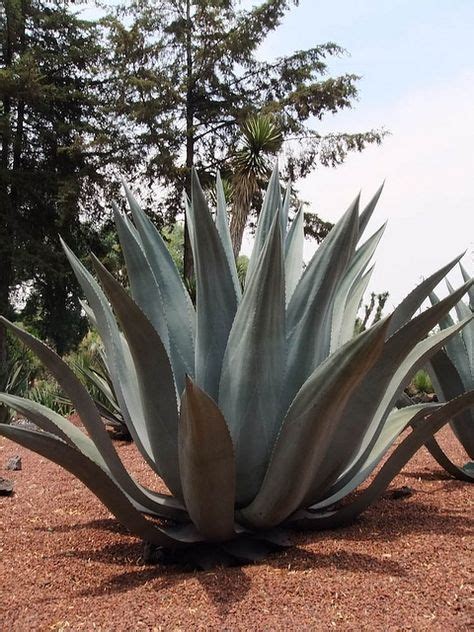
{"x": 452, "y": 373}
{"x": 97, "y": 379}
{"x": 258, "y": 408}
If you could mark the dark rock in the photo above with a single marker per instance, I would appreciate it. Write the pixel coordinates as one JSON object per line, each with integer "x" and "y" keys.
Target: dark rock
{"x": 6, "y": 487}
{"x": 14, "y": 463}
{"x": 401, "y": 492}
{"x": 424, "y": 398}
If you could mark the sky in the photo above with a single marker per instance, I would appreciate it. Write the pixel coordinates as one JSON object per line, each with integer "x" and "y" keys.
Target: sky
{"x": 416, "y": 62}
{"x": 416, "y": 59}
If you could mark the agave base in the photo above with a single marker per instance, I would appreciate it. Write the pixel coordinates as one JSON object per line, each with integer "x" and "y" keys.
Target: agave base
{"x": 245, "y": 549}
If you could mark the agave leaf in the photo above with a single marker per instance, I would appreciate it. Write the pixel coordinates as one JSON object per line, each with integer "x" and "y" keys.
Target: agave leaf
{"x": 455, "y": 348}
{"x": 351, "y": 308}
{"x": 285, "y": 208}
{"x": 101, "y": 384}
{"x": 216, "y": 301}
{"x": 396, "y": 361}
{"x": 252, "y": 370}
{"x": 448, "y": 384}
{"x": 467, "y": 334}
{"x": 366, "y": 214}
{"x": 177, "y": 305}
{"x": 414, "y": 300}
{"x": 461, "y": 473}
{"x": 294, "y": 253}
{"x": 395, "y": 424}
{"x": 368, "y": 407}
{"x": 143, "y": 285}
{"x": 311, "y": 430}
{"x": 122, "y": 370}
{"x": 51, "y": 422}
{"x": 310, "y": 308}
{"x": 222, "y": 224}
{"x": 155, "y": 378}
{"x": 271, "y": 206}
{"x": 86, "y": 410}
{"x": 397, "y": 460}
{"x": 93, "y": 477}
{"x": 356, "y": 268}
{"x": 206, "y": 465}
{"x": 466, "y": 277}
{"x": 414, "y": 360}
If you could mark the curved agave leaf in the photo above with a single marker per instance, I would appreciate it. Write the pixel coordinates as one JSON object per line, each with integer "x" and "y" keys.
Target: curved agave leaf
{"x": 455, "y": 348}
{"x": 101, "y": 385}
{"x": 155, "y": 378}
{"x": 356, "y": 268}
{"x": 285, "y": 208}
{"x": 466, "y": 278}
{"x": 448, "y": 384}
{"x": 87, "y": 412}
{"x": 143, "y": 285}
{"x": 216, "y": 301}
{"x": 93, "y": 477}
{"x": 414, "y": 300}
{"x": 467, "y": 334}
{"x": 177, "y": 305}
{"x": 271, "y": 206}
{"x": 206, "y": 464}
{"x": 310, "y": 308}
{"x": 398, "y": 459}
{"x": 294, "y": 253}
{"x": 312, "y": 431}
{"x": 222, "y": 224}
{"x": 51, "y": 422}
{"x": 366, "y": 214}
{"x": 252, "y": 370}
{"x": 351, "y": 308}
{"x": 397, "y": 421}
{"x": 368, "y": 407}
{"x": 461, "y": 473}
{"x": 387, "y": 398}
{"x": 122, "y": 370}
{"x": 162, "y": 505}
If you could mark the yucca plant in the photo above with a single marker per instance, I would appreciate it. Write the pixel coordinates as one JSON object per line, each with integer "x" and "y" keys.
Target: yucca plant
{"x": 452, "y": 373}
{"x": 257, "y": 408}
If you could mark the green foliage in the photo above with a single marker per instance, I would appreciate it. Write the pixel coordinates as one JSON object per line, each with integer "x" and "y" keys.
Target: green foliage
{"x": 54, "y": 155}
{"x": 47, "y": 393}
{"x": 422, "y": 382}
{"x": 174, "y": 238}
{"x": 242, "y": 265}
{"x": 22, "y": 368}
{"x": 244, "y": 404}
{"x": 373, "y": 311}
{"x": 187, "y": 80}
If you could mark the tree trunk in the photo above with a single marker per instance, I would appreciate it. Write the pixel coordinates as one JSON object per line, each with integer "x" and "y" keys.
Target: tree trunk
{"x": 188, "y": 258}
{"x": 6, "y": 246}
{"x": 237, "y": 226}
{"x": 243, "y": 195}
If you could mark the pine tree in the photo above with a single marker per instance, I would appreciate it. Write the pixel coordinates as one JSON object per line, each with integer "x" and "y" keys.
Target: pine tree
{"x": 187, "y": 78}
{"x": 52, "y": 146}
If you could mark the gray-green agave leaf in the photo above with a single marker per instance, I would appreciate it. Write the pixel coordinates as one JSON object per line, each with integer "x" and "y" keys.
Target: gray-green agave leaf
{"x": 256, "y": 407}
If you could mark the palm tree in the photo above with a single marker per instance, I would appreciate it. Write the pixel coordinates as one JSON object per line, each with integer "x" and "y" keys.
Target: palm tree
{"x": 262, "y": 138}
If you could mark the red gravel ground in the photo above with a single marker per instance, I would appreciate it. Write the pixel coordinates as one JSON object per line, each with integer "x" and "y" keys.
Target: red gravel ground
{"x": 67, "y": 565}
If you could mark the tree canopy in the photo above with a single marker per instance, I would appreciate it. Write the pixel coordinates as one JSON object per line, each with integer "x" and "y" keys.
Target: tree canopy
{"x": 187, "y": 77}
{"x": 149, "y": 90}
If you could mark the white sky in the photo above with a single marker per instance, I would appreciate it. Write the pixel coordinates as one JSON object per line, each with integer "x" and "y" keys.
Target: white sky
{"x": 417, "y": 63}
{"x": 416, "y": 58}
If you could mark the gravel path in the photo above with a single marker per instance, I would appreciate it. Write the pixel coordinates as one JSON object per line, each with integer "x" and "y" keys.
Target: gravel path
{"x": 65, "y": 564}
